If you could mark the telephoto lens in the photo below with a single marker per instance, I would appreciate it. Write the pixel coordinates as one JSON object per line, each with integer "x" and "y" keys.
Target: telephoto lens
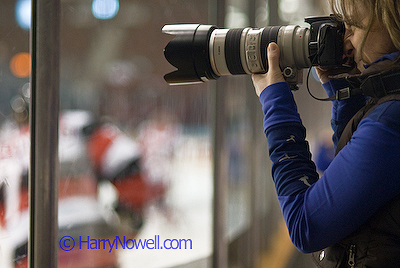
{"x": 204, "y": 52}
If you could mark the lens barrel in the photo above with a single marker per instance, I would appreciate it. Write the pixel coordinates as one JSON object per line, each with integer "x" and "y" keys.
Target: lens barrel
{"x": 204, "y": 52}
{"x": 241, "y": 51}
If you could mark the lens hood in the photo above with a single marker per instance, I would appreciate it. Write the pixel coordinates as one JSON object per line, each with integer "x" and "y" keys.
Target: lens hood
{"x": 188, "y": 51}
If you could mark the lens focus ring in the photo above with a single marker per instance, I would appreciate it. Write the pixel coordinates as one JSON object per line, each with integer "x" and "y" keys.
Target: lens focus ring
{"x": 232, "y": 51}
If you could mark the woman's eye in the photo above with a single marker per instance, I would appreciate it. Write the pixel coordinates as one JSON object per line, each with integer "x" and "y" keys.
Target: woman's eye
{"x": 348, "y": 32}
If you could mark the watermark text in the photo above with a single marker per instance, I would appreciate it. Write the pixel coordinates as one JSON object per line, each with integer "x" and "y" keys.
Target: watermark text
{"x": 68, "y": 243}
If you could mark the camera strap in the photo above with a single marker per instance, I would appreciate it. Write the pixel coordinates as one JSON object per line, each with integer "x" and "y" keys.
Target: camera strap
{"x": 378, "y": 85}
{"x": 374, "y": 85}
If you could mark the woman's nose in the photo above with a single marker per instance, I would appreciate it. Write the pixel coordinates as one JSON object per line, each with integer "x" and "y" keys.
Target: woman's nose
{"x": 348, "y": 49}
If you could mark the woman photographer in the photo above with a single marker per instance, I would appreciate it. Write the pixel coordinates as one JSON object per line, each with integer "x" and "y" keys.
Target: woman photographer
{"x": 349, "y": 217}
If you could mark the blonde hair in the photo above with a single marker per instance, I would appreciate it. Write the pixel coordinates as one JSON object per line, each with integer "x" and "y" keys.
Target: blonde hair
{"x": 384, "y": 12}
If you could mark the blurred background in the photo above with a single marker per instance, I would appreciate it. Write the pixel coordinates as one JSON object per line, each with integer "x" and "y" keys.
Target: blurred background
{"x": 141, "y": 158}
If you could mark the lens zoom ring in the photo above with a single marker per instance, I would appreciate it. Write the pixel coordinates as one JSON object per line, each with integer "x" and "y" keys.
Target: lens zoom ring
{"x": 232, "y": 51}
{"x": 270, "y": 34}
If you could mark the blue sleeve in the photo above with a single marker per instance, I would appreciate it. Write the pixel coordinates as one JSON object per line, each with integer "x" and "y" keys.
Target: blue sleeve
{"x": 321, "y": 212}
{"x": 344, "y": 110}
{"x": 278, "y": 104}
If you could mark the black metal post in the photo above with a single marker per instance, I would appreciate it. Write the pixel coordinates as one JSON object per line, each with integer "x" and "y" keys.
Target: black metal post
{"x": 44, "y": 110}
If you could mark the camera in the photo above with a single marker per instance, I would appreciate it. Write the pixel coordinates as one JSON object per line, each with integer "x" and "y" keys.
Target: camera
{"x": 204, "y": 52}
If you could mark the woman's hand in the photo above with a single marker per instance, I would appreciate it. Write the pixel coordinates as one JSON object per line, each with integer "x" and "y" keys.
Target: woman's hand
{"x": 325, "y": 75}
{"x": 274, "y": 74}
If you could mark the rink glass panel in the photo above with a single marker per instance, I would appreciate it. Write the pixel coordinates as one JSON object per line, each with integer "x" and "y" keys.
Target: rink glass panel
{"x": 148, "y": 144}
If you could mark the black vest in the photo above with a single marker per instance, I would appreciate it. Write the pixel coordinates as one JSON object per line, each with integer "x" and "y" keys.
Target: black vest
{"x": 377, "y": 242}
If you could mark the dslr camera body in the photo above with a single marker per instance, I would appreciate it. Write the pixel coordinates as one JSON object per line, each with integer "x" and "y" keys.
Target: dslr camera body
{"x": 204, "y": 52}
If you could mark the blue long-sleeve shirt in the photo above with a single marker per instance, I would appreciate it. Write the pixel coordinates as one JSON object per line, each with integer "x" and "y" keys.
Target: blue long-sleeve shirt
{"x": 362, "y": 177}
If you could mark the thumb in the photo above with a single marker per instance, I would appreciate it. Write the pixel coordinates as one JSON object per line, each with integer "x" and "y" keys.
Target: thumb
{"x": 274, "y": 74}
{"x": 274, "y": 71}
{"x": 273, "y": 58}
